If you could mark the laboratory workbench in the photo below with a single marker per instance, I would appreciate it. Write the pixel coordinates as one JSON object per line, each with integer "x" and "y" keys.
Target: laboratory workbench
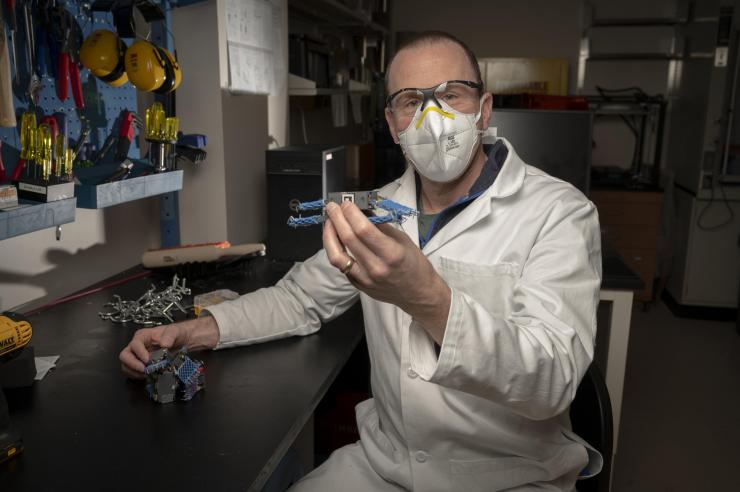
{"x": 86, "y": 427}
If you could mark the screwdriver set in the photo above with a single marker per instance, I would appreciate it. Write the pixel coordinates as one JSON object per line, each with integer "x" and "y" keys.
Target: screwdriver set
{"x": 44, "y": 171}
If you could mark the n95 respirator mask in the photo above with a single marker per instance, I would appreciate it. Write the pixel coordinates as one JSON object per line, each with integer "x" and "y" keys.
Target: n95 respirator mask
{"x": 439, "y": 142}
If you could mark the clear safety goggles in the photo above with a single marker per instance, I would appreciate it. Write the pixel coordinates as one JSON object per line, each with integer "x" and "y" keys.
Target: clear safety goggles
{"x": 460, "y": 95}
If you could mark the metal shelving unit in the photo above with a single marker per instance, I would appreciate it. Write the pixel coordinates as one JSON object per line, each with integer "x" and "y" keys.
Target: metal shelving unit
{"x": 337, "y": 14}
{"x": 591, "y": 23}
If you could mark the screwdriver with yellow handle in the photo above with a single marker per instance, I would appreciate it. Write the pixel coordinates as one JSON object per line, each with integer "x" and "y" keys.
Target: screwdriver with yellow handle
{"x": 28, "y": 136}
{"x": 160, "y": 130}
{"x": 45, "y": 146}
{"x": 155, "y": 120}
{"x": 172, "y": 126}
{"x": 67, "y": 165}
{"x": 60, "y": 154}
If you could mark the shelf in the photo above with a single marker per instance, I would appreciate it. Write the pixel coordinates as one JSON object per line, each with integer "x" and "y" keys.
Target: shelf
{"x": 336, "y": 13}
{"x": 633, "y": 57}
{"x": 94, "y": 196}
{"x": 637, "y": 22}
{"x": 646, "y": 108}
{"x": 622, "y": 112}
{"x": 298, "y": 86}
{"x": 322, "y": 92}
{"x": 34, "y": 216}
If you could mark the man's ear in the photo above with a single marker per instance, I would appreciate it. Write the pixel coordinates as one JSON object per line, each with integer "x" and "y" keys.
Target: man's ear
{"x": 391, "y": 124}
{"x": 486, "y": 109}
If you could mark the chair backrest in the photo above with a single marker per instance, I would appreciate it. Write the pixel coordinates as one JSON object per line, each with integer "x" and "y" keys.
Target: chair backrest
{"x": 591, "y": 418}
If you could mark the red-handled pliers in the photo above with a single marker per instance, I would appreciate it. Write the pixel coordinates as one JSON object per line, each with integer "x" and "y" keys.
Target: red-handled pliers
{"x": 67, "y": 66}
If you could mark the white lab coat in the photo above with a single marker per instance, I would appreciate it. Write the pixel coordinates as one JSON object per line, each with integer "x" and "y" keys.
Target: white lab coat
{"x": 523, "y": 261}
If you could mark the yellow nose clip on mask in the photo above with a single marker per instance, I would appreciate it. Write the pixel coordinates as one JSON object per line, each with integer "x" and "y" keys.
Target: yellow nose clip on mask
{"x": 444, "y": 113}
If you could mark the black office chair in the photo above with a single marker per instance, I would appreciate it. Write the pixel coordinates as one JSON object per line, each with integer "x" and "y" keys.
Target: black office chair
{"x": 591, "y": 417}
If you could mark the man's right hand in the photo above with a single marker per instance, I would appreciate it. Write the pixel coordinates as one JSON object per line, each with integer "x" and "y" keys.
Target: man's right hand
{"x": 193, "y": 334}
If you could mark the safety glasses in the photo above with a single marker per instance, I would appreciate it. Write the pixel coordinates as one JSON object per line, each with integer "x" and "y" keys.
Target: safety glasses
{"x": 460, "y": 95}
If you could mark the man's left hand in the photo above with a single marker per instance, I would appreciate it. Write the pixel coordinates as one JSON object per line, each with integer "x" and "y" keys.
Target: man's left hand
{"x": 388, "y": 266}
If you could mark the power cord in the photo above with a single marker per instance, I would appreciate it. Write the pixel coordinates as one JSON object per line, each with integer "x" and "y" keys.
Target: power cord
{"x": 729, "y": 219}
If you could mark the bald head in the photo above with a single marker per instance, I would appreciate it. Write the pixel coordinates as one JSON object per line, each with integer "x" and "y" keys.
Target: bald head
{"x": 429, "y": 55}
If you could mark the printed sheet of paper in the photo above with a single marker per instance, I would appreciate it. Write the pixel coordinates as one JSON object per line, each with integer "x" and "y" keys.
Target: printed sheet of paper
{"x": 254, "y": 34}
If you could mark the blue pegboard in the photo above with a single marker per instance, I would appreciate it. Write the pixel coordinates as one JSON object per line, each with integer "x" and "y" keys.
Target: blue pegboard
{"x": 103, "y": 103}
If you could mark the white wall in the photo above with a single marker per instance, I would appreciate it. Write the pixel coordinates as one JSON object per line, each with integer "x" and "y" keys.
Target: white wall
{"x": 36, "y": 268}
{"x": 500, "y": 28}
{"x": 224, "y": 198}
{"x": 277, "y": 104}
{"x": 202, "y": 209}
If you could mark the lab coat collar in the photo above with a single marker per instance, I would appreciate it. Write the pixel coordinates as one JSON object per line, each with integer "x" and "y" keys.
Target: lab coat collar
{"x": 511, "y": 176}
{"x": 405, "y": 194}
{"x": 507, "y": 183}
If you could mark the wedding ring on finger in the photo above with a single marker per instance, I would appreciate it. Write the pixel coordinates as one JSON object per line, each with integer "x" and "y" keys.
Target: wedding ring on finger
{"x": 348, "y": 266}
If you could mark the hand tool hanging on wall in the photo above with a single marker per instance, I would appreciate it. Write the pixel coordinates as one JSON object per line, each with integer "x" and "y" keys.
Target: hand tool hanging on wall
{"x": 13, "y": 25}
{"x": 191, "y": 148}
{"x": 28, "y": 145}
{"x": 7, "y": 111}
{"x": 74, "y": 62}
{"x": 81, "y": 140}
{"x": 46, "y": 50}
{"x": 34, "y": 85}
{"x": 68, "y": 38}
{"x": 107, "y": 144}
{"x": 125, "y": 135}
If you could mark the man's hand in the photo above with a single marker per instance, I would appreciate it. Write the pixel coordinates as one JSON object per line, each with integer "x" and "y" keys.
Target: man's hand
{"x": 193, "y": 334}
{"x": 389, "y": 267}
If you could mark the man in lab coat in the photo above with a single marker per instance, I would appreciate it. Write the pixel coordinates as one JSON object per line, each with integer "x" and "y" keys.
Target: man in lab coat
{"x": 480, "y": 313}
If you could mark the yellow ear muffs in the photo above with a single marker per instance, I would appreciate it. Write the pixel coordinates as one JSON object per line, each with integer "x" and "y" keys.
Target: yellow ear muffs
{"x": 145, "y": 66}
{"x": 103, "y": 54}
{"x": 169, "y": 81}
{"x": 175, "y": 68}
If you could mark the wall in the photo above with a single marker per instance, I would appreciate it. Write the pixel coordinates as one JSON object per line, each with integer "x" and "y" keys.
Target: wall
{"x": 36, "y": 268}
{"x": 500, "y": 28}
{"x": 202, "y": 211}
{"x": 545, "y": 29}
{"x": 224, "y": 198}
{"x": 277, "y": 104}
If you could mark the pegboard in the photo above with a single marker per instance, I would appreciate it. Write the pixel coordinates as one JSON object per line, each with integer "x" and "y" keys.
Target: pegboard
{"x": 103, "y": 103}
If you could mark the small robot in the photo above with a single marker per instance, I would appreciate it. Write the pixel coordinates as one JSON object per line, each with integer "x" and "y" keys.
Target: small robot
{"x": 378, "y": 209}
{"x": 173, "y": 376}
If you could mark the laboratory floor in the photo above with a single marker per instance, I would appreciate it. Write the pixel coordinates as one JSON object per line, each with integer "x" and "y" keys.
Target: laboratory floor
{"x": 680, "y": 427}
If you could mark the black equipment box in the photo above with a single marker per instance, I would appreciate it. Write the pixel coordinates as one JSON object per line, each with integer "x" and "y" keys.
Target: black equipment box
{"x": 304, "y": 173}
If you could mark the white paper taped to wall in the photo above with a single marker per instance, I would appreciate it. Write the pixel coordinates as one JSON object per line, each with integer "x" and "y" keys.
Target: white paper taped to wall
{"x": 254, "y": 35}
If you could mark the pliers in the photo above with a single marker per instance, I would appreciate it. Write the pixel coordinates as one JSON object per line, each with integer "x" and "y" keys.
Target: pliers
{"x": 68, "y": 70}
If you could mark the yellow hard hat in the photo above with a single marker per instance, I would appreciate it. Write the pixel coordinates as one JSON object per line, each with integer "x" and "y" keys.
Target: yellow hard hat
{"x": 102, "y": 53}
{"x": 151, "y": 68}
